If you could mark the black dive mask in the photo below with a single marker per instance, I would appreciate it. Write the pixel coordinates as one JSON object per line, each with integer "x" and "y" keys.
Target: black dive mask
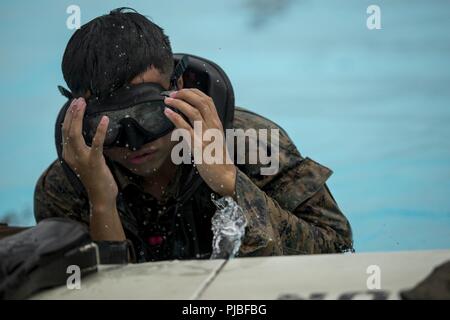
{"x": 135, "y": 112}
{"x": 136, "y": 116}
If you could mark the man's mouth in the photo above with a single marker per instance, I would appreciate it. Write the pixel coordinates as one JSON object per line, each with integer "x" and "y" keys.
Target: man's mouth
{"x": 141, "y": 156}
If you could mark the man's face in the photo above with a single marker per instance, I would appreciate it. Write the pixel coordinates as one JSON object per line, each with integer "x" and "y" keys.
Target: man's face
{"x": 145, "y": 161}
{"x": 151, "y": 156}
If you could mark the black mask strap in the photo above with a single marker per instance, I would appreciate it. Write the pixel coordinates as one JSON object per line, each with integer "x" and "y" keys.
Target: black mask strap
{"x": 66, "y": 93}
{"x": 178, "y": 71}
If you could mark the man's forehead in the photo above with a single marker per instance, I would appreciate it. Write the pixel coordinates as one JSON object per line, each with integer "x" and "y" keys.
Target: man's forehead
{"x": 152, "y": 74}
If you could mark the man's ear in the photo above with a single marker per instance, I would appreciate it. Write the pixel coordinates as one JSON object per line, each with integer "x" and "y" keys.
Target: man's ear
{"x": 180, "y": 82}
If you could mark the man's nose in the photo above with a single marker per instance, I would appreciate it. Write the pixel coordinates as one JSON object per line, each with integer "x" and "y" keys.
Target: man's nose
{"x": 134, "y": 140}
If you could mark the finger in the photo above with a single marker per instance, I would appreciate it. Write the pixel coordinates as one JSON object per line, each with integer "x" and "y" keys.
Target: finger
{"x": 68, "y": 120}
{"x": 189, "y": 111}
{"x": 180, "y": 123}
{"x": 177, "y": 119}
{"x": 75, "y": 131}
{"x": 198, "y": 92}
{"x": 209, "y": 100}
{"x": 195, "y": 100}
{"x": 99, "y": 137}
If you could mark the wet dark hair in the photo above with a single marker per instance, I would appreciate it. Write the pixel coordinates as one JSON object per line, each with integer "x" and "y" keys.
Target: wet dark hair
{"x": 109, "y": 51}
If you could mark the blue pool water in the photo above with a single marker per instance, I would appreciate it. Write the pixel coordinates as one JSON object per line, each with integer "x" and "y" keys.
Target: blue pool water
{"x": 373, "y": 105}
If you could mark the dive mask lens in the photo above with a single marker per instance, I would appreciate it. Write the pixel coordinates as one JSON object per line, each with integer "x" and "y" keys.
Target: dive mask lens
{"x": 90, "y": 128}
{"x": 146, "y": 119}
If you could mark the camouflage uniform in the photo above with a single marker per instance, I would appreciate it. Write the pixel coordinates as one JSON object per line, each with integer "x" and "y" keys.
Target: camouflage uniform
{"x": 291, "y": 212}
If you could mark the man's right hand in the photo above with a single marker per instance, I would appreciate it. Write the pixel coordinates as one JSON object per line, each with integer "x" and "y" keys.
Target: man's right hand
{"x": 88, "y": 162}
{"x": 90, "y": 166}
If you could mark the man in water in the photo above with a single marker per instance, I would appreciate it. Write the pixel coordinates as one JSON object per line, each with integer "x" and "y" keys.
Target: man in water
{"x": 133, "y": 194}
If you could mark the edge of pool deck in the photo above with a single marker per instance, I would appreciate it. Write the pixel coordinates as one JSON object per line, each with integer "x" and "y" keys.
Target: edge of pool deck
{"x": 327, "y": 276}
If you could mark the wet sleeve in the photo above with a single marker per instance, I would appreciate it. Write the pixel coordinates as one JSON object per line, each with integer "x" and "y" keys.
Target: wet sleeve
{"x": 295, "y": 213}
{"x": 55, "y": 197}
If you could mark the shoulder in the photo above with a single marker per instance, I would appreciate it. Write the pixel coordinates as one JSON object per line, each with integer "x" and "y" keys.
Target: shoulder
{"x": 267, "y": 136}
{"x": 55, "y": 196}
{"x": 53, "y": 179}
{"x": 246, "y": 119}
{"x": 296, "y": 179}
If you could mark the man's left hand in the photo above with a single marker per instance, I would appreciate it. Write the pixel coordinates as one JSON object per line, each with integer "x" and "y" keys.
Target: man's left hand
{"x": 197, "y": 106}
